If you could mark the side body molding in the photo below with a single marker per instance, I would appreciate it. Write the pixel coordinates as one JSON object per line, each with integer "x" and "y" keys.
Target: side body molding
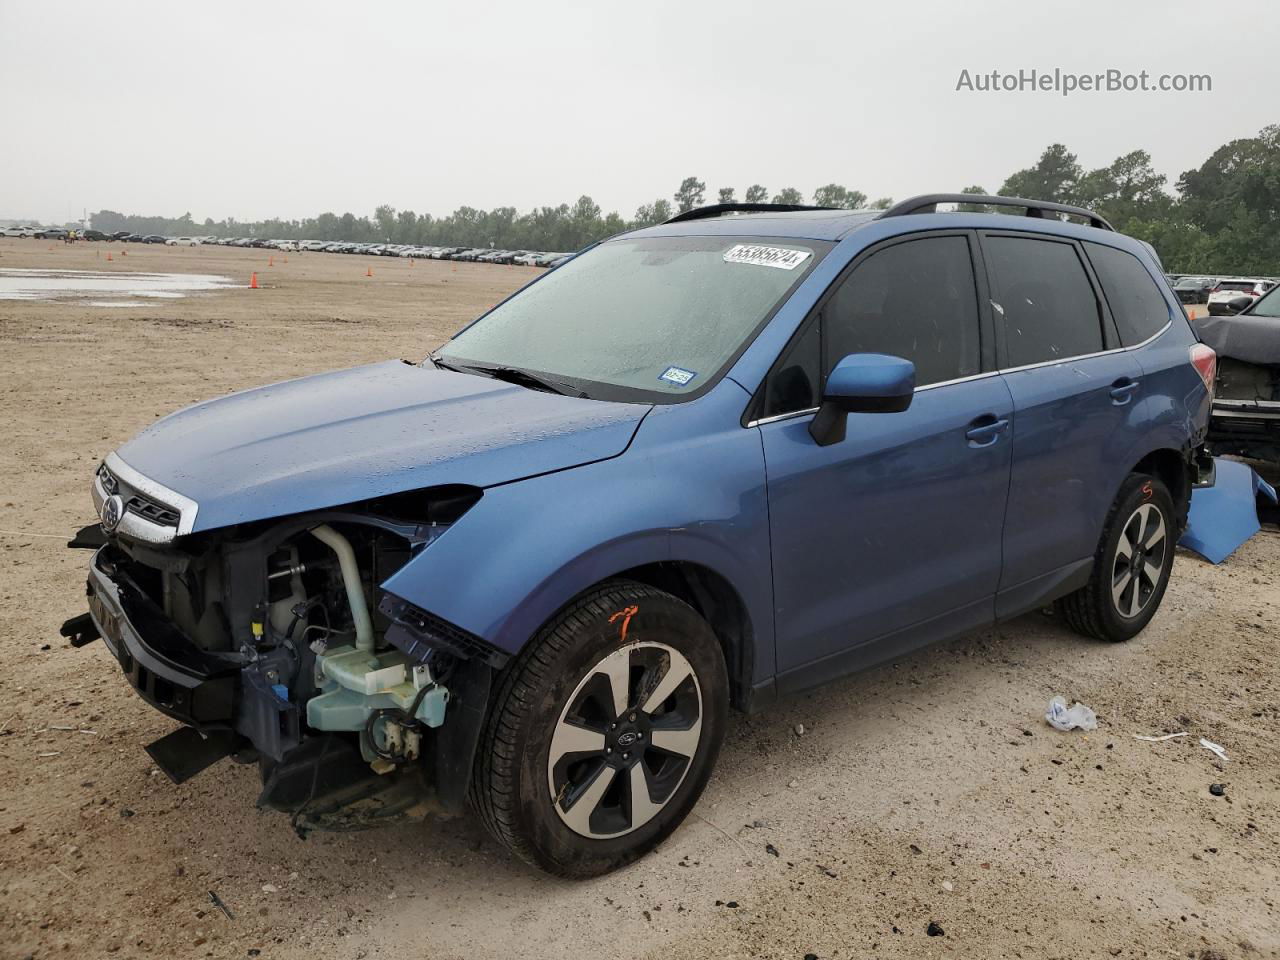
{"x": 684, "y": 491}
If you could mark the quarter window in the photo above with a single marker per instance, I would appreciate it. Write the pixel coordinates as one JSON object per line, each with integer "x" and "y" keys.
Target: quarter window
{"x": 915, "y": 300}
{"x": 794, "y": 383}
{"x": 1045, "y": 299}
{"x": 1135, "y": 301}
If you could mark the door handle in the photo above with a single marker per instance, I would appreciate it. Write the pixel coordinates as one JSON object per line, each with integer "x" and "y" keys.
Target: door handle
{"x": 1122, "y": 391}
{"x": 985, "y": 430}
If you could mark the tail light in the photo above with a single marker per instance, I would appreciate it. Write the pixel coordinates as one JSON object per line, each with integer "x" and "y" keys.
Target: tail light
{"x": 1205, "y": 360}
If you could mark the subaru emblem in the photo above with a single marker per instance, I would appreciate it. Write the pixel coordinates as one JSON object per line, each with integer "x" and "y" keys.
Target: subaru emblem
{"x": 112, "y": 512}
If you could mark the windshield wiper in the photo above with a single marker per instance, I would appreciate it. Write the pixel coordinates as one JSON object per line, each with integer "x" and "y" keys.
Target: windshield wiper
{"x": 534, "y": 381}
{"x": 514, "y": 375}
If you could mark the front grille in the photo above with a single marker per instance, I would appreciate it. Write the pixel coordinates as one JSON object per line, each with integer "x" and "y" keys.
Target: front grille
{"x": 138, "y": 503}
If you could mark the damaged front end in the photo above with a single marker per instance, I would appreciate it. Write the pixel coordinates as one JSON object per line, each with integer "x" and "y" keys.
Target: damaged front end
{"x": 274, "y": 642}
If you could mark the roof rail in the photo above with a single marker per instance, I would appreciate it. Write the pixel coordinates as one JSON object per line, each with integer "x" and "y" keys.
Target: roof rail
{"x": 928, "y": 203}
{"x": 720, "y": 209}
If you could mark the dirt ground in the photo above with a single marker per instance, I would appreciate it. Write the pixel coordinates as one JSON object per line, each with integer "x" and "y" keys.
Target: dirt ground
{"x": 929, "y": 791}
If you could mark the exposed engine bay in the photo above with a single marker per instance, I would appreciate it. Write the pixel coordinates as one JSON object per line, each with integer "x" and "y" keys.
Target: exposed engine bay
{"x": 274, "y": 642}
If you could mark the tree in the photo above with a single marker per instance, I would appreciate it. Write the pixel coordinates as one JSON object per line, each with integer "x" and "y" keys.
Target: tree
{"x": 651, "y": 213}
{"x": 834, "y": 195}
{"x": 385, "y": 217}
{"x": 584, "y": 223}
{"x": 1223, "y": 217}
{"x": 884, "y": 203}
{"x": 788, "y": 195}
{"x": 1243, "y": 172}
{"x": 406, "y": 227}
{"x": 1056, "y": 176}
{"x": 972, "y": 207}
{"x": 1126, "y": 190}
{"x": 690, "y": 194}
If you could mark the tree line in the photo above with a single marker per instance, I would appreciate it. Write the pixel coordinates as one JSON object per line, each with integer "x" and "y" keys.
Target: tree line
{"x": 1221, "y": 218}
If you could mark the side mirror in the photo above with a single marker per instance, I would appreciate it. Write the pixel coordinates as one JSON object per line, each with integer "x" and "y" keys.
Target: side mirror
{"x": 862, "y": 383}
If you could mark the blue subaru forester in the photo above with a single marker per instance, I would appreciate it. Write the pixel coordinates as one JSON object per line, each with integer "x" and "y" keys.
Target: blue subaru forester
{"x": 698, "y": 466}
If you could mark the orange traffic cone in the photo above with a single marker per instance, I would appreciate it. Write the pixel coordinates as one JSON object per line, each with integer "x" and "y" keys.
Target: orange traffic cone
{"x": 271, "y": 261}
{"x": 108, "y": 257}
{"x": 369, "y": 272}
{"x": 253, "y": 281}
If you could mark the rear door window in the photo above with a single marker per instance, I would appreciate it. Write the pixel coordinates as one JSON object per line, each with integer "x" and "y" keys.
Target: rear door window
{"x": 1044, "y": 299}
{"x": 1136, "y": 303}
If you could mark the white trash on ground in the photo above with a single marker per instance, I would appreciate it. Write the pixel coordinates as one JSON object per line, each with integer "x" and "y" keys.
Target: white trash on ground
{"x": 1167, "y": 736}
{"x": 1078, "y": 715}
{"x": 1213, "y": 748}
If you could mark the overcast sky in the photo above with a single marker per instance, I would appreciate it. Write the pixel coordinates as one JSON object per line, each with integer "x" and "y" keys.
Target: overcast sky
{"x": 283, "y": 109}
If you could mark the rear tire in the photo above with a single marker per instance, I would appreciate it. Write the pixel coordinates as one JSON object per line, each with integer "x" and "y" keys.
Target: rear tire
{"x": 1131, "y": 567}
{"x": 604, "y": 731}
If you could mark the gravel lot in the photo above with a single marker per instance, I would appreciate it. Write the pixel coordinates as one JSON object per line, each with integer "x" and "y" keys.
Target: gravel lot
{"x": 929, "y": 791}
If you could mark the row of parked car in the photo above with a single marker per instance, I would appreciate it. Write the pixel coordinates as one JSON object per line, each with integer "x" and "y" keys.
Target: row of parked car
{"x": 483, "y": 255}
{"x": 1224, "y": 295}
{"x": 528, "y": 258}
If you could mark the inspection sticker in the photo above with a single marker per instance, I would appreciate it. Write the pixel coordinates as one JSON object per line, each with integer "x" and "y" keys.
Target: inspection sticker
{"x": 677, "y": 375}
{"x": 760, "y": 256}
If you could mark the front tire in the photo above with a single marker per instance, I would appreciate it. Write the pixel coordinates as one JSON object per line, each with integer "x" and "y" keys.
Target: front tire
{"x": 1132, "y": 566}
{"x": 604, "y": 731}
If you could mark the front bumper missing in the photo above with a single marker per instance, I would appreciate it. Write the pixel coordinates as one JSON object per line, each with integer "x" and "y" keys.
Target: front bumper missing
{"x": 227, "y": 708}
{"x": 174, "y": 675}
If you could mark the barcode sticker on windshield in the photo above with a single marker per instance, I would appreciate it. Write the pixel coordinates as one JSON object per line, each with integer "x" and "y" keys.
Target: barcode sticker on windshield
{"x": 780, "y": 257}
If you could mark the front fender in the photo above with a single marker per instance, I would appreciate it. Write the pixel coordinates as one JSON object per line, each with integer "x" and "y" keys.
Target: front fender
{"x": 678, "y": 494}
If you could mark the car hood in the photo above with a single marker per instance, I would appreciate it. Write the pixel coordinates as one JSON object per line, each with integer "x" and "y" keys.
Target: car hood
{"x": 342, "y": 437}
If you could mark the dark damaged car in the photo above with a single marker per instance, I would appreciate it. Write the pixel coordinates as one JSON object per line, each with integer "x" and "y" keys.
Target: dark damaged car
{"x": 1246, "y": 402}
{"x": 697, "y": 467}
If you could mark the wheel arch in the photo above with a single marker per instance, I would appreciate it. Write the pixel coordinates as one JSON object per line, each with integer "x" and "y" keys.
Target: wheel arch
{"x": 717, "y": 601}
{"x": 1172, "y": 468}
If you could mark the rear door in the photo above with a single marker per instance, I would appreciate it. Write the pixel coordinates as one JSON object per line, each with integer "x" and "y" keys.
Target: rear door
{"x": 1074, "y": 388}
{"x": 898, "y": 525}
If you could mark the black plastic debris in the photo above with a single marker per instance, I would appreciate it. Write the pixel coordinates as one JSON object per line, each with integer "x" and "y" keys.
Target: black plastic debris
{"x": 934, "y": 930}
{"x": 1217, "y": 789}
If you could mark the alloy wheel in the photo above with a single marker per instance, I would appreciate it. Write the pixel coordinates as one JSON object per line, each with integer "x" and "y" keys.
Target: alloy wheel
{"x": 625, "y": 740}
{"x": 1139, "y": 561}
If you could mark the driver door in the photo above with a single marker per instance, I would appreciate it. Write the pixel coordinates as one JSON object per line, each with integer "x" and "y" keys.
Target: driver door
{"x": 890, "y": 538}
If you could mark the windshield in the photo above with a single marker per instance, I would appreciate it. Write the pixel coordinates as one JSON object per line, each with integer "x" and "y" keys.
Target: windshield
{"x": 1268, "y": 306}
{"x": 648, "y": 318}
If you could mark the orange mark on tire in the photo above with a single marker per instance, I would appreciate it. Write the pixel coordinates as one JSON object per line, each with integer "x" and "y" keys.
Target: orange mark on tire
{"x": 626, "y": 613}
{"x": 1146, "y": 490}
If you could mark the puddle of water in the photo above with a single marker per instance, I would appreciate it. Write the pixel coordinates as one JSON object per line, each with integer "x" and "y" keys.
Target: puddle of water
{"x": 30, "y": 284}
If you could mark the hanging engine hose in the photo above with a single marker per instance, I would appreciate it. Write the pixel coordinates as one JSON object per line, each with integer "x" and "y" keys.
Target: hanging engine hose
{"x": 341, "y": 546}
{"x": 411, "y": 723}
